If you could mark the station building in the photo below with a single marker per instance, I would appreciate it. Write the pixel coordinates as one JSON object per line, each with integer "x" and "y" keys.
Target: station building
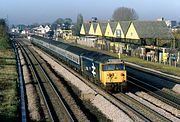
{"x": 139, "y": 38}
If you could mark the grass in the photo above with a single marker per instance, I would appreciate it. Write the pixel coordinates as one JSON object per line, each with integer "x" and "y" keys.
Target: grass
{"x": 8, "y": 96}
{"x": 9, "y": 101}
{"x": 7, "y": 53}
{"x": 157, "y": 66}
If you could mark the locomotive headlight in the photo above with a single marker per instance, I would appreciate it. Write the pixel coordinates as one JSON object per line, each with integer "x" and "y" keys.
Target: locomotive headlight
{"x": 110, "y": 75}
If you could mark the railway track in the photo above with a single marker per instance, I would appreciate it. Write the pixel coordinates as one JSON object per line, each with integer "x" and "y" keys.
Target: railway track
{"x": 167, "y": 83}
{"x": 138, "y": 113}
{"x": 165, "y": 96}
{"x": 140, "y": 108}
{"x": 55, "y": 106}
{"x": 22, "y": 91}
{"x": 136, "y": 110}
{"x": 130, "y": 110}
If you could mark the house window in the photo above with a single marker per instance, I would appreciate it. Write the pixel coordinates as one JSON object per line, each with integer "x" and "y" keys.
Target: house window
{"x": 131, "y": 34}
{"x": 118, "y": 33}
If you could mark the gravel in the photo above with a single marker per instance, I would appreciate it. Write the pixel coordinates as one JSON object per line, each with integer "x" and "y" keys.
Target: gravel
{"x": 112, "y": 112}
{"x": 159, "y": 103}
{"x": 88, "y": 94}
{"x": 155, "y": 108}
{"x": 32, "y": 97}
{"x": 57, "y": 80}
{"x": 176, "y": 88}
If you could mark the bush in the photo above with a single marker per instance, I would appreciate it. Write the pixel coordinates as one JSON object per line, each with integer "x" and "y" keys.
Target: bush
{"x": 4, "y": 43}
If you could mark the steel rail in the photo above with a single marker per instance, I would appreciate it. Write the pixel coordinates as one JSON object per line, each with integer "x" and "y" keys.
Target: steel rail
{"x": 36, "y": 79}
{"x": 22, "y": 94}
{"x": 160, "y": 94}
{"x": 51, "y": 84}
{"x": 140, "y": 108}
{"x": 131, "y": 111}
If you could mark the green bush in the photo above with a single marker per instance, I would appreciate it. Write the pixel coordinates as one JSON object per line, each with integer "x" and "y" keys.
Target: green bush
{"x": 4, "y": 43}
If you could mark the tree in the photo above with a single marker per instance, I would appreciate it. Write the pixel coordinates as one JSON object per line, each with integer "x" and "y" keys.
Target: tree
{"x": 124, "y": 14}
{"x": 3, "y": 28}
{"x": 59, "y": 21}
{"x": 3, "y": 34}
{"x": 179, "y": 23}
{"x": 78, "y": 24}
{"x": 67, "y": 23}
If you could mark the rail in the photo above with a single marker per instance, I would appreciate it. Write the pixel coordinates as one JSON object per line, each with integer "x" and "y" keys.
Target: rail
{"x": 40, "y": 73}
{"x": 140, "y": 108}
{"x": 158, "y": 93}
{"x": 22, "y": 94}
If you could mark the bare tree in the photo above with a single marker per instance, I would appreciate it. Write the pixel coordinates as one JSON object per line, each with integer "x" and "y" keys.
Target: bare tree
{"x": 124, "y": 14}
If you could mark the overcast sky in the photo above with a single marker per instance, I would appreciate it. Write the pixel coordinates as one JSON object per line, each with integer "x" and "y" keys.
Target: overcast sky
{"x": 41, "y": 11}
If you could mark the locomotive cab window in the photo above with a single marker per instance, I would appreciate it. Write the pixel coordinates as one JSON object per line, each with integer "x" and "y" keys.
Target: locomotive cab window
{"x": 110, "y": 67}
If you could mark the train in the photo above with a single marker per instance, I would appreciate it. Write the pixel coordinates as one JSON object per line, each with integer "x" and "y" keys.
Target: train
{"x": 104, "y": 70}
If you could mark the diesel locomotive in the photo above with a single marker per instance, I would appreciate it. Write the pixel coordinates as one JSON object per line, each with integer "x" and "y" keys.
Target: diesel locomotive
{"x": 102, "y": 69}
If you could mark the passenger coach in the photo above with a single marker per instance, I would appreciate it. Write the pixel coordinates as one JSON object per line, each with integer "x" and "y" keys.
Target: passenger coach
{"x": 100, "y": 68}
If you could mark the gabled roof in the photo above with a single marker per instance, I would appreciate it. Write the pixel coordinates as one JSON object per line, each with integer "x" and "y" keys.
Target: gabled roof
{"x": 124, "y": 26}
{"x": 95, "y": 26}
{"x": 152, "y": 29}
{"x": 86, "y": 27}
{"x": 113, "y": 26}
{"x": 103, "y": 27}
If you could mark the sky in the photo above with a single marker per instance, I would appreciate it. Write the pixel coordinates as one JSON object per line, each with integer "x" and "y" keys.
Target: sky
{"x": 42, "y": 11}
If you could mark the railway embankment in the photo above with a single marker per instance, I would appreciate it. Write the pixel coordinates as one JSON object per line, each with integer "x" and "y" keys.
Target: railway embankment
{"x": 9, "y": 83}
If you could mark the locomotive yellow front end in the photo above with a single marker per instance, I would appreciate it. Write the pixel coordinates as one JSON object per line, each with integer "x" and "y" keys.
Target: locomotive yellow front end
{"x": 113, "y": 75}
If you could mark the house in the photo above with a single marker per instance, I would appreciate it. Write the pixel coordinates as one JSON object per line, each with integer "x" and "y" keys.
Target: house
{"x": 128, "y": 34}
{"x": 25, "y": 32}
{"x": 66, "y": 34}
{"x": 99, "y": 34}
{"x": 92, "y": 29}
{"x": 100, "y": 29}
{"x": 119, "y": 30}
{"x": 85, "y": 28}
{"x": 140, "y": 32}
{"x": 58, "y": 33}
{"x": 171, "y": 23}
{"x": 41, "y": 30}
{"x": 47, "y": 28}
{"x": 176, "y": 29}
{"x": 108, "y": 31}
{"x": 87, "y": 32}
{"x": 15, "y": 30}
{"x": 149, "y": 36}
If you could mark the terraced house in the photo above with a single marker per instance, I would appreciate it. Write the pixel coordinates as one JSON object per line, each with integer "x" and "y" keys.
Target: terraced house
{"x": 125, "y": 36}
